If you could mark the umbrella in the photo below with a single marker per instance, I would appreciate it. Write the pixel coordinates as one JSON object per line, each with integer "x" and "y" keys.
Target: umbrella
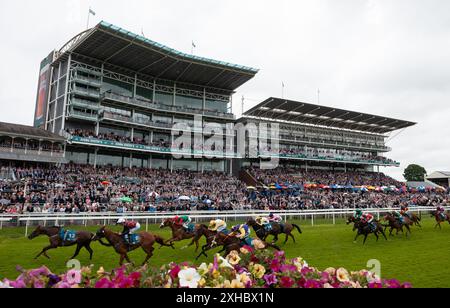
{"x": 251, "y": 188}
{"x": 105, "y": 183}
{"x": 126, "y": 199}
{"x": 184, "y": 198}
{"x": 153, "y": 194}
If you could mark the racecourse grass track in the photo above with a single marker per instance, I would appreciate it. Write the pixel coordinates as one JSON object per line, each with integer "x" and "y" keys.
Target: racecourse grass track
{"x": 423, "y": 259}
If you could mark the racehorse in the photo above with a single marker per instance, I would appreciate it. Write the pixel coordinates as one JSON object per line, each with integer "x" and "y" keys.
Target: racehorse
{"x": 365, "y": 229}
{"x": 231, "y": 243}
{"x": 393, "y": 223}
{"x": 439, "y": 219}
{"x": 212, "y": 240}
{"x": 414, "y": 219}
{"x": 179, "y": 233}
{"x": 83, "y": 239}
{"x": 116, "y": 240}
{"x": 276, "y": 229}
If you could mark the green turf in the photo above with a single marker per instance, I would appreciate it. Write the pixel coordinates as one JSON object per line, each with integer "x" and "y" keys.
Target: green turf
{"x": 423, "y": 259}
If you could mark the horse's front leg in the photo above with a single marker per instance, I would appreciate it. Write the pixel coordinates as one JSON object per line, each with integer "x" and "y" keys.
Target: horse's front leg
{"x": 44, "y": 252}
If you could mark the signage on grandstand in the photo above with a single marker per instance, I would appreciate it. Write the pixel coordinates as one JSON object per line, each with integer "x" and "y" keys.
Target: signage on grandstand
{"x": 42, "y": 92}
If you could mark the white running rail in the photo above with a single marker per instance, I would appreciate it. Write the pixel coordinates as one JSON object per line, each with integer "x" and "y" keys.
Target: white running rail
{"x": 156, "y": 218}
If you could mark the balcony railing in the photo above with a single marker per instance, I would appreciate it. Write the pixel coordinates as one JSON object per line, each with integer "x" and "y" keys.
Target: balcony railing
{"x": 336, "y": 158}
{"x": 85, "y": 92}
{"x": 158, "y": 106}
{"x": 139, "y": 121}
{"x": 149, "y": 148}
{"x": 88, "y": 81}
{"x": 30, "y": 154}
{"x": 85, "y": 104}
{"x": 83, "y": 115}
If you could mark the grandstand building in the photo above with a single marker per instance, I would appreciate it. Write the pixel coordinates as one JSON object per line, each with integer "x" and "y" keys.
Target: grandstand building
{"x": 318, "y": 137}
{"x": 127, "y": 92}
{"x": 115, "y": 97}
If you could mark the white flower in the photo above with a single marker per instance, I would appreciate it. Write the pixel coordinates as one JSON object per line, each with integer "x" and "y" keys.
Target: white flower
{"x": 5, "y": 285}
{"x": 189, "y": 278}
{"x": 223, "y": 262}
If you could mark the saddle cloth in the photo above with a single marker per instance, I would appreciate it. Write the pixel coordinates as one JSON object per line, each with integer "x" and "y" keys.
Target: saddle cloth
{"x": 68, "y": 235}
{"x": 132, "y": 239}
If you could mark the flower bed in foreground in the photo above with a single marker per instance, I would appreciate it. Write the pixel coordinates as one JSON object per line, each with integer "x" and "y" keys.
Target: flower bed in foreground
{"x": 261, "y": 269}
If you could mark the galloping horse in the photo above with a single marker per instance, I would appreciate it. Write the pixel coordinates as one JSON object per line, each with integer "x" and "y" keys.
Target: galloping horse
{"x": 179, "y": 233}
{"x": 439, "y": 219}
{"x": 415, "y": 220}
{"x": 116, "y": 240}
{"x": 276, "y": 230}
{"x": 365, "y": 229}
{"x": 83, "y": 239}
{"x": 212, "y": 240}
{"x": 231, "y": 243}
{"x": 395, "y": 224}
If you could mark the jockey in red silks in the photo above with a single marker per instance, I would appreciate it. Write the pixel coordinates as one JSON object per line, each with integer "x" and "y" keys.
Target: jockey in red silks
{"x": 129, "y": 227}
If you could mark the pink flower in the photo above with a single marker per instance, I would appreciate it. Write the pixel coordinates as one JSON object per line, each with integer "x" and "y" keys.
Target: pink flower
{"x": 42, "y": 271}
{"x": 375, "y": 285}
{"x": 174, "y": 272}
{"x": 393, "y": 284}
{"x": 287, "y": 282}
{"x": 18, "y": 284}
{"x": 288, "y": 268}
{"x": 312, "y": 284}
{"x": 38, "y": 284}
{"x": 275, "y": 265}
{"x": 104, "y": 283}
{"x": 270, "y": 279}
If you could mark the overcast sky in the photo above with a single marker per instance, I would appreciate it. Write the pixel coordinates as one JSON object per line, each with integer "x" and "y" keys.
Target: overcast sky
{"x": 385, "y": 57}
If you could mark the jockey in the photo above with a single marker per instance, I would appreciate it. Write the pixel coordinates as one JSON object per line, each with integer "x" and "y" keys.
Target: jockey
{"x": 404, "y": 211}
{"x": 358, "y": 214}
{"x": 242, "y": 232}
{"x": 399, "y": 217}
{"x": 264, "y": 222}
{"x": 368, "y": 219}
{"x": 218, "y": 225}
{"x": 129, "y": 227}
{"x": 440, "y": 210}
{"x": 184, "y": 221}
{"x": 275, "y": 218}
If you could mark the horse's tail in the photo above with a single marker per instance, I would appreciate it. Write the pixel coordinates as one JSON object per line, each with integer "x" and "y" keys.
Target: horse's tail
{"x": 161, "y": 241}
{"x": 298, "y": 228}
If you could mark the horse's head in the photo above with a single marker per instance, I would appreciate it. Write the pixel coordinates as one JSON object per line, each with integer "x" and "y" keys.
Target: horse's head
{"x": 101, "y": 233}
{"x": 166, "y": 223}
{"x": 351, "y": 219}
{"x": 251, "y": 222}
{"x": 39, "y": 231}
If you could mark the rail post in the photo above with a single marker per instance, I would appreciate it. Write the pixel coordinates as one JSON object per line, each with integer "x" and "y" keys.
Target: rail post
{"x": 146, "y": 225}
{"x": 312, "y": 219}
{"x": 334, "y": 218}
{"x": 26, "y": 228}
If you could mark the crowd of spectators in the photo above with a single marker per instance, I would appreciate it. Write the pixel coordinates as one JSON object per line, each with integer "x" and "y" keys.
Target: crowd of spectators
{"x": 81, "y": 189}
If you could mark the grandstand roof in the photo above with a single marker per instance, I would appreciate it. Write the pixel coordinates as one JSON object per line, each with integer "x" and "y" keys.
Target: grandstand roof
{"x": 439, "y": 175}
{"x": 293, "y": 111}
{"x": 30, "y": 132}
{"x": 110, "y": 44}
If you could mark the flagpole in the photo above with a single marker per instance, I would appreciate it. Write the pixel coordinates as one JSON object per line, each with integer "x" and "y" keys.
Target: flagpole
{"x": 89, "y": 16}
